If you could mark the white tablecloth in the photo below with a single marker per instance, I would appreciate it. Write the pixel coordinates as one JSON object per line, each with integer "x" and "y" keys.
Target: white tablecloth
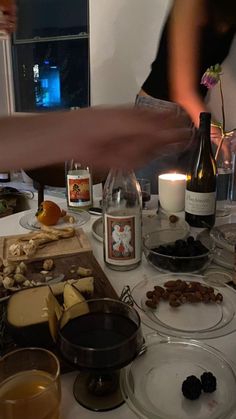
{"x": 70, "y": 408}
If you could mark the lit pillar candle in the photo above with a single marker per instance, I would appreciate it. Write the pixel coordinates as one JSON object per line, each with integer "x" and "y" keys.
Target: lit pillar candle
{"x": 171, "y": 187}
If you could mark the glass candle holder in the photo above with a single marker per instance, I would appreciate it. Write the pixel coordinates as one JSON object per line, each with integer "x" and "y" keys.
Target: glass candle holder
{"x": 171, "y": 188}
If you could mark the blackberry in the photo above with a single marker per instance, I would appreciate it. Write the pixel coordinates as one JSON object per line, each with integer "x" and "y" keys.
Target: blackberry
{"x": 192, "y": 388}
{"x": 208, "y": 382}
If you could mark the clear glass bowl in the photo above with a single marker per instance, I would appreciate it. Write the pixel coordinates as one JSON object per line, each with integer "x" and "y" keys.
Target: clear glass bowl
{"x": 152, "y": 383}
{"x": 169, "y": 263}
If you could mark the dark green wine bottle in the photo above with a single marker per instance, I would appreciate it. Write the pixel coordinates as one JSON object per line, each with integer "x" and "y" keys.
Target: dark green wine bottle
{"x": 200, "y": 196}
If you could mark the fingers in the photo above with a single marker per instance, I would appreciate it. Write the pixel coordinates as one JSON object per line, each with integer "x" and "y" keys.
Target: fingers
{"x": 163, "y": 119}
{"x": 136, "y": 150}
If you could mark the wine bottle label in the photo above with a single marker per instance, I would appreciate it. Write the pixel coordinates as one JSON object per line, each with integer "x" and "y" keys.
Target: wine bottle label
{"x": 79, "y": 190}
{"x": 122, "y": 239}
{"x": 4, "y": 176}
{"x": 198, "y": 203}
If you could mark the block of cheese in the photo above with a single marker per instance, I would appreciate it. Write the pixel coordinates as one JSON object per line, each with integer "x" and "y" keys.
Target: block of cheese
{"x": 71, "y": 296}
{"x": 27, "y": 316}
{"x": 84, "y": 285}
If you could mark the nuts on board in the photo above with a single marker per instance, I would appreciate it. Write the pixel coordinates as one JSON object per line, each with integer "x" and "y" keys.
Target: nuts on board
{"x": 84, "y": 271}
{"x": 19, "y": 278}
{"x": 48, "y": 264}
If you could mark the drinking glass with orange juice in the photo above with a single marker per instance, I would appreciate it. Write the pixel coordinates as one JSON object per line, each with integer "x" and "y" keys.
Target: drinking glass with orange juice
{"x": 30, "y": 385}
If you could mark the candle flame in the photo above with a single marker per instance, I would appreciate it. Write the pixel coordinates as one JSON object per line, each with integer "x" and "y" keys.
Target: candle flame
{"x": 173, "y": 176}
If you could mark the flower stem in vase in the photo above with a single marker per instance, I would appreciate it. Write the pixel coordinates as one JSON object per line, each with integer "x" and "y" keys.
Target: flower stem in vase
{"x": 219, "y": 147}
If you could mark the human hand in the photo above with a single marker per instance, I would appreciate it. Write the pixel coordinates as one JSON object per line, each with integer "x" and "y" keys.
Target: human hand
{"x": 118, "y": 137}
{"x": 129, "y": 137}
{"x": 7, "y": 16}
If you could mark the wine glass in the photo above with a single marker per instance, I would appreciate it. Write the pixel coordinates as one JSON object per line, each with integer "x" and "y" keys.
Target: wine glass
{"x": 145, "y": 186}
{"x": 99, "y": 337}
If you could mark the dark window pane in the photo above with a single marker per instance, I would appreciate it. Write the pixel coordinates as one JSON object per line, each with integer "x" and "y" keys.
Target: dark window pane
{"x": 51, "y": 75}
{"x": 44, "y": 18}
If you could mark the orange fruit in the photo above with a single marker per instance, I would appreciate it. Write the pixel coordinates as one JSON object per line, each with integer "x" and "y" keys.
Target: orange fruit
{"x": 48, "y": 213}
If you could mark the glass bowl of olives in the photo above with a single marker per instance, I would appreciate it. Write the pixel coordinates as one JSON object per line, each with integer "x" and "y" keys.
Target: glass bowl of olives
{"x": 181, "y": 255}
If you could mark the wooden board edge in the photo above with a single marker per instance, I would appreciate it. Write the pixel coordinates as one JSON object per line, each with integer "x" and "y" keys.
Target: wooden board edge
{"x": 83, "y": 240}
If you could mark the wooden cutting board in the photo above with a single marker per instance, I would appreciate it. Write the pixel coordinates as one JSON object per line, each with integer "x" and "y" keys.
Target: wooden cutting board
{"x": 70, "y": 246}
{"x": 68, "y": 264}
{"x": 63, "y": 264}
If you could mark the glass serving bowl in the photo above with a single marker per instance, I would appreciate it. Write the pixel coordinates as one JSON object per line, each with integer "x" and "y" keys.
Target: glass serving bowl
{"x": 153, "y": 246}
{"x": 152, "y": 383}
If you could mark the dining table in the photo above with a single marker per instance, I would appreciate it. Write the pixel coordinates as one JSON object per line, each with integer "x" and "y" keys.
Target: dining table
{"x": 70, "y": 408}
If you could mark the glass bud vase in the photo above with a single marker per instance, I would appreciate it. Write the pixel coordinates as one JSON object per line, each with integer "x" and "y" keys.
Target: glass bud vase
{"x": 225, "y": 179}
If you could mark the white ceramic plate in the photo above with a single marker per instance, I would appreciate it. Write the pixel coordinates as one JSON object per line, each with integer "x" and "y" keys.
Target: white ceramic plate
{"x": 190, "y": 320}
{"x": 152, "y": 222}
{"x": 30, "y": 222}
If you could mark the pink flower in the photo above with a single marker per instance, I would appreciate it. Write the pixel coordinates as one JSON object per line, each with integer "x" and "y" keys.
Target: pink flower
{"x": 212, "y": 76}
{"x": 210, "y": 79}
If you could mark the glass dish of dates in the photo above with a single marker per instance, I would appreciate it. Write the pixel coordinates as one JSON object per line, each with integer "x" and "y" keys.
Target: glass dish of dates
{"x": 185, "y": 306}
{"x": 187, "y": 255}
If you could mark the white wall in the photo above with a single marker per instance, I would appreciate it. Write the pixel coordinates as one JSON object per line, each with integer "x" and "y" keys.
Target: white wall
{"x": 123, "y": 42}
{"x": 124, "y": 36}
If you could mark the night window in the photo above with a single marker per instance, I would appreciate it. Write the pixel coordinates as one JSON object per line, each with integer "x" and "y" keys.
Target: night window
{"x": 51, "y": 55}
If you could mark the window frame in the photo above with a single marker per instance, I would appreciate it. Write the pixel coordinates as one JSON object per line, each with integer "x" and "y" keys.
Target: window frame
{"x": 7, "y": 87}
{"x": 7, "y": 97}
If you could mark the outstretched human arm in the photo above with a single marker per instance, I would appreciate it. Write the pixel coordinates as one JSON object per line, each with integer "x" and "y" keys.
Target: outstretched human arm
{"x": 102, "y": 137}
{"x": 186, "y": 21}
{"x": 7, "y": 16}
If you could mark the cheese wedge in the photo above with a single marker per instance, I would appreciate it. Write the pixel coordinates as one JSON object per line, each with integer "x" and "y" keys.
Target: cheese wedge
{"x": 54, "y": 314}
{"x": 71, "y": 296}
{"x": 84, "y": 285}
{"x": 27, "y": 317}
{"x": 74, "y": 303}
{"x": 28, "y": 307}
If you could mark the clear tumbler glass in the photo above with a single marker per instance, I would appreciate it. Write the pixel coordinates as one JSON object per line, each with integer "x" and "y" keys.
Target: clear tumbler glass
{"x": 30, "y": 385}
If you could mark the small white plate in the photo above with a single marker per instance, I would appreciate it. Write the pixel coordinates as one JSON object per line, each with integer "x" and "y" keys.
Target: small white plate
{"x": 151, "y": 222}
{"x": 30, "y": 222}
{"x": 97, "y": 229}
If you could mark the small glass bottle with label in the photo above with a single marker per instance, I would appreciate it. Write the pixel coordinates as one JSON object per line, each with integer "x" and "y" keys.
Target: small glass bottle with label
{"x": 122, "y": 221}
{"x": 78, "y": 186}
